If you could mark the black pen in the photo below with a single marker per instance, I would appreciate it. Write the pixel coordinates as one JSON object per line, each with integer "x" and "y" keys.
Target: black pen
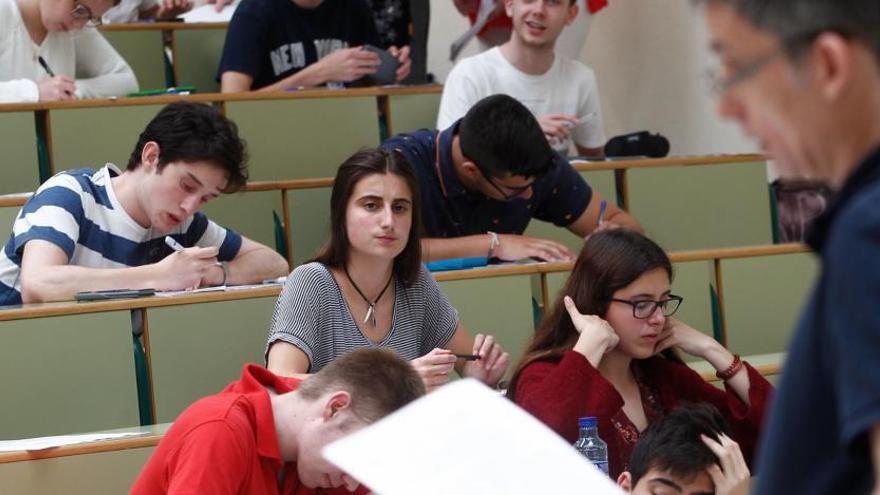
{"x": 45, "y": 66}
{"x": 468, "y": 357}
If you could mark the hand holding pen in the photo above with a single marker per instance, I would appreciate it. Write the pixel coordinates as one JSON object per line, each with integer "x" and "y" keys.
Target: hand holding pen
{"x": 186, "y": 268}
{"x": 55, "y": 88}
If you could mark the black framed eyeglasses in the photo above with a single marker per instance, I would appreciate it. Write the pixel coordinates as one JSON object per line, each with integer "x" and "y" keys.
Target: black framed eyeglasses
{"x": 644, "y": 308}
{"x": 515, "y": 192}
{"x": 82, "y": 12}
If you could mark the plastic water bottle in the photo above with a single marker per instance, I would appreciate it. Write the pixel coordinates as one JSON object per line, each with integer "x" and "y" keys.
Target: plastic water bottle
{"x": 590, "y": 445}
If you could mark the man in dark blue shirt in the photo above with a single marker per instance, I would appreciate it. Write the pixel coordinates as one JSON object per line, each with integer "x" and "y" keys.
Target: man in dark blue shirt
{"x": 485, "y": 177}
{"x": 803, "y": 78}
{"x": 275, "y": 45}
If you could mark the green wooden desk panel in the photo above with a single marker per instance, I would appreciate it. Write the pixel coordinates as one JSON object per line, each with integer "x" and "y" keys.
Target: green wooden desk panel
{"x": 7, "y": 219}
{"x": 19, "y": 165}
{"x": 66, "y": 374}
{"x": 143, "y": 52}
{"x": 310, "y": 222}
{"x": 248, "y": 213}
{"x": 304, "y": 138}
{"x": 691, "y": 281}
{"x": 198, "y": 54}
{"x": 198, "y": 349}
{"x": 763, "y": 299}
{"x": 91, "y": 137}
{"x": 500, "y": 306}
{"x": 603, "y": 182}
{"x": 702, "y": 207}
{"x": 413, "y": 112}
{"x": 88, "y": 474}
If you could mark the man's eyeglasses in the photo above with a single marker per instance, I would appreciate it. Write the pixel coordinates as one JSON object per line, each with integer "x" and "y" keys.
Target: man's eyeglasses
{"x": 644, "y": 308}
{"x": 82, "y": 12}
{"x": 514, "y": 192}
{"x": 719, "y": 85}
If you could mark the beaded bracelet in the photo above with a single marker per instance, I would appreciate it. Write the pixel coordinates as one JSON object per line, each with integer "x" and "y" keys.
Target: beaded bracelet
{"x": 731, "y": 370}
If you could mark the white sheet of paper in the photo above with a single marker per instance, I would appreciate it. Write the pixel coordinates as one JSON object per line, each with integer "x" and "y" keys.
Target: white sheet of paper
{"x": 208, "y": 13}
{"x": 467, "y": 440}
{"x": 42, "y": 443}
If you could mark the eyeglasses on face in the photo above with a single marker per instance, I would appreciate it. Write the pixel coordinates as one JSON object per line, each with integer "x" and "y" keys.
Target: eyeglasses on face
{"x": 82, "y": 12}
{"x": 719, "y": 85}
{"x": 644, "y": 308}
{"x": 509, "y": 193}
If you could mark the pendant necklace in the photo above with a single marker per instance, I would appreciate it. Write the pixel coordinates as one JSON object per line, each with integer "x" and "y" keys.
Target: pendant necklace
{"x": 371, "y": 306}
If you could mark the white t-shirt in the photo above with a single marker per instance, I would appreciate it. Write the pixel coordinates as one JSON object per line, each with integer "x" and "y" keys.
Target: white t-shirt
{"x": 83, "y": 55}
{"x": 567, "y": 87}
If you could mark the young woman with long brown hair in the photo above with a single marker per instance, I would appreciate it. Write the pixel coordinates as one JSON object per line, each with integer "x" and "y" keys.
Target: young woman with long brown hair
{"x": 368, "y": 287}
{"x": 607, "y": 348}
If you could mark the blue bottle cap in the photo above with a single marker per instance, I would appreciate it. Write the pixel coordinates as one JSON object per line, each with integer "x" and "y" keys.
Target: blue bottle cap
{"x": 587, "y": 422}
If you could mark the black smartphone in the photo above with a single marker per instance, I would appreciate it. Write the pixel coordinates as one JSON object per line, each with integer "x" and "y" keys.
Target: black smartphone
{"x": 104, "y": 295}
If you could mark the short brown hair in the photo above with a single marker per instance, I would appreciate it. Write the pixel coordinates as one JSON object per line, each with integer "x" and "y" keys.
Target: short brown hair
{"x": 378, "y": 380}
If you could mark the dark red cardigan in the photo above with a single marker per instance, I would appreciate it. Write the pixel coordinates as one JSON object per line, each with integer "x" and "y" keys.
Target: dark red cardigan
{"x": 560, "y": 392}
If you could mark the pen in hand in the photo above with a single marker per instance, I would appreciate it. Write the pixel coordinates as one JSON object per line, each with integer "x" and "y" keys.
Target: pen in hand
{"x": 173, "y": 244}
{"x": 177, "y": 247}
{"x": 602, "y": 206}
{"x": 468, "y": 357}
{"x": 45, "y": 66}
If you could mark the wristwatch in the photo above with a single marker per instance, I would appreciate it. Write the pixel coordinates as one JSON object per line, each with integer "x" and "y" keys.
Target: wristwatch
{"x": 494, "y": 243}
{"x": 225, "y": 266}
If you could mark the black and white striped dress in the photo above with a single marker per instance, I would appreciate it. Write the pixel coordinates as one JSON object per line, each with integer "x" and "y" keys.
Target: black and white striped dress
{"x": 312, "y": 315}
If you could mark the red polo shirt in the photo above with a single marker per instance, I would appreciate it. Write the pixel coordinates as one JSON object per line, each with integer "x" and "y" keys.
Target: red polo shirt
{"x": 224, "y": 444}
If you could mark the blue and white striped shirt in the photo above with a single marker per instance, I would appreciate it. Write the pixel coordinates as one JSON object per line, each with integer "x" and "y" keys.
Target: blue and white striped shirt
{"x": 78, "y": 211}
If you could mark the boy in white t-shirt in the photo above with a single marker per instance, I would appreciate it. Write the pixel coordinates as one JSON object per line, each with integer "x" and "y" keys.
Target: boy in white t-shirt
{"x": 560, "y": 92}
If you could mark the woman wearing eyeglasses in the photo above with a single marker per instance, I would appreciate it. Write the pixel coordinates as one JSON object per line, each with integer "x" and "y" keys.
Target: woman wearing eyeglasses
{"x": 49, "y": 51}
{"x": 608, "y": 348}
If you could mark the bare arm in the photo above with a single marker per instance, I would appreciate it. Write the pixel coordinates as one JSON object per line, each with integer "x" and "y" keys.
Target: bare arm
{"x": 46, "y": 275}
{"x": 255, "y": 263}
{"x": 589, "y": 219}
{"x": 286, "y": 359}
{"x": 344, "y": 65}
{"x": 510, "y": 247}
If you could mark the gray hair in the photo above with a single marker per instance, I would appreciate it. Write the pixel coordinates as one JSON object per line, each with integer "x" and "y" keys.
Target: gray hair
{"x": 797, "y": 22}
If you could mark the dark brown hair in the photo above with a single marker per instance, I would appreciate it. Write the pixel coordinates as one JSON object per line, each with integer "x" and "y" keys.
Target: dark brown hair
{"x": 364, "y": 163}
{"x": 609, "y": 261}
{"x": 191, "y": 132}
{"x": 378, "y": 380}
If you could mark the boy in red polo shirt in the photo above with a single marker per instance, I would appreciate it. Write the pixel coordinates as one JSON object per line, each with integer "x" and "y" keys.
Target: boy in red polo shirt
{"x": 264, "y": 434}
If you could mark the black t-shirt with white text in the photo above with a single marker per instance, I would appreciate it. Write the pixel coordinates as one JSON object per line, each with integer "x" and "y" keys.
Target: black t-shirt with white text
{"x": 273, "y": 39}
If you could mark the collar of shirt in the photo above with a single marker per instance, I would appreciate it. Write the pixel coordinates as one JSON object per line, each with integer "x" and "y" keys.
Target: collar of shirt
{"x": 864, "y": 176}
{"x": 444, "y": 165}
{"x": 255, "y": 383}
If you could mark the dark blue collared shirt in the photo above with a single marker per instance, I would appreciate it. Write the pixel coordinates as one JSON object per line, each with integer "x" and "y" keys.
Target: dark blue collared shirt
{"x": 818, "y": 436}
{"x": 449, "y": 210}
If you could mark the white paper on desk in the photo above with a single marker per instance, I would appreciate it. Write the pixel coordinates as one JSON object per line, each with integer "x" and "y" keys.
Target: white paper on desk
{"x": 171, "y": 293}
{"x": 42, "y": 443}
{"x": 208, "y": 13}
{"x": 465, "y": 439}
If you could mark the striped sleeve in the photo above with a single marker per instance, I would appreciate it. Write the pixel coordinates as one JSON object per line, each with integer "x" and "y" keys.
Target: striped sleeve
{"x": 53, "y": 215}
{"x": 440, "y": 318}
{"x": 203, "y": 232}
{"x": 297, "y": 318}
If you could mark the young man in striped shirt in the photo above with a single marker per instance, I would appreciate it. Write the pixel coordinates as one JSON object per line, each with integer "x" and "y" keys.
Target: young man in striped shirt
{"x": 91, "y": 230}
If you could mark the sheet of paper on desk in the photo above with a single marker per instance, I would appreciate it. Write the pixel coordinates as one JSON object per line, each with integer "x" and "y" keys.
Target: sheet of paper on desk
{"x": 208, "y": 13}
{"x": 170, "y": 293}
{"x": 465, "y": 439}
{"x": 42, "y": 443}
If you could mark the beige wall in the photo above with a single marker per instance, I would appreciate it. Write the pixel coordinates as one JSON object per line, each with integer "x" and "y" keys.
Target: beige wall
{"x": 649, "y": 57}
